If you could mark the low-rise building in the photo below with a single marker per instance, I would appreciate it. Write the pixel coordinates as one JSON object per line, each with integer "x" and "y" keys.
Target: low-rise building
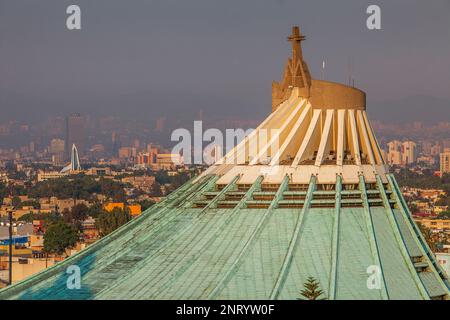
{"x": 443, "y": 259}
{"x": 23, "y": 267}
{"x": 135, "y": 209}
{"x": 144, "y": 183}
{"x": 90, "y": 231}
{"x": 445, "y": 162}
{"x": 167, "y": 161}
{"x": 18, "y": 213}
{"x": 99, "y": 171}
{"x": 428, "y": 160}
{"x": 36, "y": 242}
{"x": 440, "y": 209}
{"x": 423, "y": 206}
{"x": 431, "y": 194}
{"x": 436, "y": 224}
{"x": 44, "y": 176}
{"x": 114, "y": 205}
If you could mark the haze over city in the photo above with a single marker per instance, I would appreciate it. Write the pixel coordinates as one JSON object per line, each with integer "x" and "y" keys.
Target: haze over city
{"x": 151, "y": 59}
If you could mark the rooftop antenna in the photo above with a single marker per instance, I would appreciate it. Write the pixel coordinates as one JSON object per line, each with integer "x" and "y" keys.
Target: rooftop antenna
{"x": 323, "y": 69}
{"x": 351, "y": 79}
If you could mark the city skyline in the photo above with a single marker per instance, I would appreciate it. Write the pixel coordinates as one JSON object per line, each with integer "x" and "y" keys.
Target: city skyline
{"x": 161, "y": 57}
{"x": 138, "y": 89}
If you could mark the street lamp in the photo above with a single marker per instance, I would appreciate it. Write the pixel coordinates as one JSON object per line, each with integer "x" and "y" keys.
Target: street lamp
{"x": 10, "y": 216}
{"x": 10, "y": 225}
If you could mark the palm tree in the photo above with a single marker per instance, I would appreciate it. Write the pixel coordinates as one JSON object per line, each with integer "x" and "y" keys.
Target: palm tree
{"x": 311, "y": 289}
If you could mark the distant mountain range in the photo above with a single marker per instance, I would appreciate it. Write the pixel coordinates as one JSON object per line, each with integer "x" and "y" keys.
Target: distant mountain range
{"x": 184, "y": 108}
{"x": 426, "y": 109}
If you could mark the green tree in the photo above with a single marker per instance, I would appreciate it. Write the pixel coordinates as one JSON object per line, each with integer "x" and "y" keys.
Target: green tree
{"x": 444, "y": 201}
{"x": 79, "y": 212}
{"x": 162, "y": 177}
{"x": 107, "y": 222}
{"x": 155, "y": 189}
{"x": 311, "y": 289}
{"x": 145, "y": 204}
{"x": 428, "y": 235}
{"x": 3, "y": 190}
{"x": 95, "y": 210}
{"x": 49, "y": 218}
{"x": 30, "y": 203}
{"x": 413, "y": 207}
{"x": 78, "y": 187}
{"x": 112, "y": 189}
{"x": 59, "y": 237}
{"x": 444, "y": 215}
{"x": 16, "y": 202}
{"x": 27, "y": 217}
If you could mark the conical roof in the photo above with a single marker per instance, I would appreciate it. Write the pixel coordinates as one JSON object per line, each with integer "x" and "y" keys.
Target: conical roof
{"x": 307, "y": 194}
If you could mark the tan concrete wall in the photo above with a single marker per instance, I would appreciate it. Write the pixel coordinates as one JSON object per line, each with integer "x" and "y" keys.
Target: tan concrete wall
{"x": 23, "y": 271}
{"x": 331, "y": 95}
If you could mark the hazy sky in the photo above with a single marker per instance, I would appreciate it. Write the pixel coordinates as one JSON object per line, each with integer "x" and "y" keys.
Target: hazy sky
{"x": 149, "y": 58}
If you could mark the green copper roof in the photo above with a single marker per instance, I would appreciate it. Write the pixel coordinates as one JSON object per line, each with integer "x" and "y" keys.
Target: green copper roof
{"x": 176, "y": 250}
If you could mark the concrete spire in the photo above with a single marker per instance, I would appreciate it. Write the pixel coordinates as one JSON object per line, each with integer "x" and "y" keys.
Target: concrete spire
{"x": 296, "y": 73}
{"x": 295, "y": 39}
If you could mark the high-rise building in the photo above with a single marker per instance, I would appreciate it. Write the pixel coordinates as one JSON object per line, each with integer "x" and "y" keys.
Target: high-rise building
{"x": 57, "y": 146}
{"x": 75, "y": 134}
{"x": 262, "y": 221}
{"x": 136, "y": 144}
{"x": 445, "y": 162}
{"x": 436, "y": 149}
{"x": 153, "y": 152}
{"x": 409, "y": 154}
{"x": 426, "y": 147}
{"x": 143, "y": 159}
{"x": 128, "y": 153}
{"x": 401, "y": 153}
{"x": 115, "y": 143}
{"x": 32, "y": 146}
{"x": 56, "y": 149}
{"x": 394, "y": 154}
{"x": 58, "y": 159}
